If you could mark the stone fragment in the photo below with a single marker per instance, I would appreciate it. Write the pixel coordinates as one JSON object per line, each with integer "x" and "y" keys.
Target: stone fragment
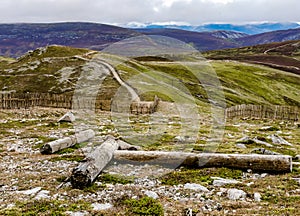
{"x": 235, "y": 194}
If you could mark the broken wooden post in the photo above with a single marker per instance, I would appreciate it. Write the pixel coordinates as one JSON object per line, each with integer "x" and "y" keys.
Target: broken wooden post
{"x": 54, "y": 146}
{"x": 265, "y": 163}
{"x": 85, "y": 174}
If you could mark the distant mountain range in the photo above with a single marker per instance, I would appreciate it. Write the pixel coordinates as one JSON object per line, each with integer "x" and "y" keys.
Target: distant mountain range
{"x": 17, "y": 39}
{"x": 256, "y": 28}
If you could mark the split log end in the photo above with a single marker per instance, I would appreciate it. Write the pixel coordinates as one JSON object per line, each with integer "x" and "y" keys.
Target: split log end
{"x": 80, "y": 179}
{"x": 46, "y": 149}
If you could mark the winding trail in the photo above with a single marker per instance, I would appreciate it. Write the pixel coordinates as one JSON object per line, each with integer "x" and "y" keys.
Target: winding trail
{"x": 135, "y": 97}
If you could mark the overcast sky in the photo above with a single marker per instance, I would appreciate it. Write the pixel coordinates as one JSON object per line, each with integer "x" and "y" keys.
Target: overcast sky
{"x": 148, "y": 11}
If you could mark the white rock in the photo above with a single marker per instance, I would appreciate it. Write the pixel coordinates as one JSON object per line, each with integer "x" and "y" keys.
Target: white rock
{"x": 151, "y": 194}
{"x": 195, "y": 187}
{"x": 30, "y": 192}
{"x": 68, "y": 117}
{"x": 279, "y": 140}
{"x": 257, "y": 197}
{"x": 44, "y": 194}
{"x": 76, "y": 213}
{"x": 241, "y": 146}
{"x": 101, "y": 207}
{"x": 235, "y": 194}
{"x": 218, "y": 182}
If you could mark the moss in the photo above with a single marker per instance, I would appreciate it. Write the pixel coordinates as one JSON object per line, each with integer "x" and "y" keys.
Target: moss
{"x": 184, "y": 175}
{"x": 143, "y": 206}
{"x": 72, "y": 149}
{"x": 114, "y": 179}
{"x": 77, "y": 158}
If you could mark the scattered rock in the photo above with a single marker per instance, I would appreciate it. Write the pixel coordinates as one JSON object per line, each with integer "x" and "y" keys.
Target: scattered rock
{"x": 68, "y": 117}
{"x": 44, "y": 194}
{"x": 279, "y": 140}
{"x": 248, "y": 140}
{"x": 269, "y": 128}
{"x": 245, "y": 140}
{"x": 297, "y": 180}
{"x": 31, "y": 191}
{"x": 76, "y": 213}
{"x": 101, "y": 207}
{"x": 297, "y": 158}
{"x": 241, "y": 146}
{"x": 218, "y": 182}
{"x": 257, "y": 197}
{"x": 259, "y": 142}
{"x": 151, "y": 194}
{"x": 195, "y": 187}
{"x": 235, "y": 194}
{"x": 263, "y": 151}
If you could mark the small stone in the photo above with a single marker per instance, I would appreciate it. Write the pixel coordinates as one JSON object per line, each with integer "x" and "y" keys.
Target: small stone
{"x": 101, "y": 207}
{"x": 257, "y": 197}
{"x": 68, "y": 117}
{"x": 44, "y": 194}
{"x": 297, "y": 180}
{"x": 297, "y": 158}
{"x": 151, "y": 194}
{"x": 76, "y": 213}
{"x": 245, "y": 140}
{"x": 268, "y": 128}
{"x": 218, "y": 182}
{"x": 195, "y": 187}
{"x": 279, "y": 140}
{"x": 235, "y": 194}
{"x": 249, "y": 184}
{"x": 30, "y": 192}
{"x": 241, "y": 146}
{"x": 264, "y": 175}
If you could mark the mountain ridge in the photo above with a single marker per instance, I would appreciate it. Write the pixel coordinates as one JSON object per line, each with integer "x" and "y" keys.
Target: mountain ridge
{"x": 247, "y": 28}
{"x": 17, "y": 39}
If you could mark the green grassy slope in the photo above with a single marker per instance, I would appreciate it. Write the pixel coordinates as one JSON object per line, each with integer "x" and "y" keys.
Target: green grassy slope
{"x": 56, "y": 70}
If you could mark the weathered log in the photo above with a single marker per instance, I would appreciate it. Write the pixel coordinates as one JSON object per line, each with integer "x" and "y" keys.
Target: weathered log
{"x": 54, "y": 146}
{"x": 265, "y": 163}
{"x": 126, "y": 146}
{"x": 87, "y": 171}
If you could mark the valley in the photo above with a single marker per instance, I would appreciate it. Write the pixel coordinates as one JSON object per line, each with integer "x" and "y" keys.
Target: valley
{"x": 195, "y": 91}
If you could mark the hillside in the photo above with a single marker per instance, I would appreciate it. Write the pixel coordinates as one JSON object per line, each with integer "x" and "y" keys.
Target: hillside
{"x": 269, "y": 37}
{"x": 32, "y": 183}
{"x": 202, "y": 41}
{"x": 17, "y": 39}
{"x": 56, "y": 69}
{"x": 284, "y": 56}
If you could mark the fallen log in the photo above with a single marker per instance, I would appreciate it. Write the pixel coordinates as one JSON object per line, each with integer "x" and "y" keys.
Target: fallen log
{"x": 265, "y": 163}
{"x": 87, "y": 171}
{"x": 126, "y": 146}
{"x": 54, "y": 146}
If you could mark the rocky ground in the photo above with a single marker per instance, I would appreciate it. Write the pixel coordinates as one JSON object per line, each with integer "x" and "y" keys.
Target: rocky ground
{"x": 36, "y": 184}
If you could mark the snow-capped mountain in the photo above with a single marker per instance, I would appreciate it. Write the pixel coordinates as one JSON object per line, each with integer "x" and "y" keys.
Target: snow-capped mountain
{"x": 249, "y": 28}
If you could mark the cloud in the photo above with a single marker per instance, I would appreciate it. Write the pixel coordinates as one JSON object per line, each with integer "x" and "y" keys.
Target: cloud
{"x": 124, "y": 11}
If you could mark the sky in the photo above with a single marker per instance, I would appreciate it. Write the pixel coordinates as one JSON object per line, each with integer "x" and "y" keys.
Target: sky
{"x": 194, "y": 12}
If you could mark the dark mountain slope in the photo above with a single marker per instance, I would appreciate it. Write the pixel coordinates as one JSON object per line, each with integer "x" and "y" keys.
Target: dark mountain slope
{"x": 17, "y": 39}
{"x": 284, "y": 55}
{"x": 200, "y": 40}
{"x": 275, "y": 36}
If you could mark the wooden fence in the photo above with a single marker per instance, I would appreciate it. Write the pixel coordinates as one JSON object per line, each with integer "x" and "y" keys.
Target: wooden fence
{"x": 68, "y": 101}
{"x": 290, "y": 113}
